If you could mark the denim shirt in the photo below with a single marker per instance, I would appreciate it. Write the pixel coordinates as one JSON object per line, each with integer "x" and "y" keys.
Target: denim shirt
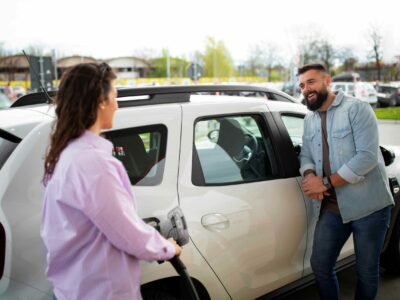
{"x": 353, "y": 153}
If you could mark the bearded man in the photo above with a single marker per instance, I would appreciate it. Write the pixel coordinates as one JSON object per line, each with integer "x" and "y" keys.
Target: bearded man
{"x": 344, "y": 173}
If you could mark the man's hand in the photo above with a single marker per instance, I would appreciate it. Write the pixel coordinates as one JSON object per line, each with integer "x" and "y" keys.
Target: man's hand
{"x": 313, "y": 186}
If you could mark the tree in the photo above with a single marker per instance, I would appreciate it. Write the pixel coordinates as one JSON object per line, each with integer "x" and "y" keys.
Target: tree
{"x": 376, "y": 53}
{"x": 347, "y": 59}
{"x": 255, "y": 62}
{"x": 326, "y": 53}
{"x": 262, "y": 59}
{"x": 217, "y": 59}
{"x": 315, "y": 49}
{"x": 178, "y": 66}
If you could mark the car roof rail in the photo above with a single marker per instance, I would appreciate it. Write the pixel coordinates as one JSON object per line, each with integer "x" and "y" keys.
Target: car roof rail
{"x": 152, "y": 95}
{"x": 9, "y": 136}
{"x": 33, "y": 98}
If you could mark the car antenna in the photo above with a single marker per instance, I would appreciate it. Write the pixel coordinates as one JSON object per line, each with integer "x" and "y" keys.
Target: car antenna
{"x": 49, "y": 99}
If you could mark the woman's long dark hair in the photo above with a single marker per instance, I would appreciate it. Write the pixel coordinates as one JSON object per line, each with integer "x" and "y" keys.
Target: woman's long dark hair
{"x": 81, "y": 89}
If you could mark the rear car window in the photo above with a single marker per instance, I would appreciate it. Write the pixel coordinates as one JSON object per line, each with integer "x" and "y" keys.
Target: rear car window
{"x": 6, "y": 148}
{"x": 142, "y": 152}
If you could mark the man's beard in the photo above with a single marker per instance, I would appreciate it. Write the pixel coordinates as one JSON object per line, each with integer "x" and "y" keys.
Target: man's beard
{"x": 322, "y": 95}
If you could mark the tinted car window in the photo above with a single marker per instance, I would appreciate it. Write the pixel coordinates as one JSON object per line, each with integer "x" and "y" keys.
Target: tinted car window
{"x": 233, "y": 149}
{"x": 6, "y": 148}
{"x": 142, "y": 152}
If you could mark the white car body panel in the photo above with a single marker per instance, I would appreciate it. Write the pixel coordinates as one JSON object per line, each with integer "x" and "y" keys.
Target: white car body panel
{"x": 360, "y": 90}
{"x": 21, "y": 194}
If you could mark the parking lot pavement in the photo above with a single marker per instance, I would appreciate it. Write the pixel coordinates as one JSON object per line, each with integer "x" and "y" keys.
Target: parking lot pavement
{"x": 389, "y": 133}
{"x": 389, "y": 287}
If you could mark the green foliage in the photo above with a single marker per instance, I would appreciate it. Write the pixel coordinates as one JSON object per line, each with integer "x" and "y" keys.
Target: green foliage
{"x": 388, "y": 113}
{"x": 178, "y": 66}
{"x": 217, "y": 61}
{"x": 317, "y": 49}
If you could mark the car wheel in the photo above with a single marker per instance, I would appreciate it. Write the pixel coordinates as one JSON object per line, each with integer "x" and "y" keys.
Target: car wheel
{"x": 390, "y": 259}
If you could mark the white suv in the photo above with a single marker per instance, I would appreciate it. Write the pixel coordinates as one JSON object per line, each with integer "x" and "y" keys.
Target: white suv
{"x": 229, "y": 162}
{"x": 364, "y": 91}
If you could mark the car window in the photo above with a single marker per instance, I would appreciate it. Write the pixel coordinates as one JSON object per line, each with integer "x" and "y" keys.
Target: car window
{"x": 6, "y": 148}
{"x": 142, "y": 152}
{"x": 295, "y": 126}
{"x": 280, "y": 98}
{"x": 232, "y": 149}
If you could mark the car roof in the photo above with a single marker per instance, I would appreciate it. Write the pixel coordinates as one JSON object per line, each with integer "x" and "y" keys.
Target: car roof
{"x": 160, "y": 94}
{"x": 21, "y": 118}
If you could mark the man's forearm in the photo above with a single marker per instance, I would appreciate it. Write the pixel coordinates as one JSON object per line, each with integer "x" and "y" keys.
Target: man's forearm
{"x": 336, "y": 180}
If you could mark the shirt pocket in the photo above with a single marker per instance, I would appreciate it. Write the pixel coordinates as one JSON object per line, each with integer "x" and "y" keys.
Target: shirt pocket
{"x": 341, "y": 133}
{"x": 343, "y": 143}
{"x": 309, "y": 139}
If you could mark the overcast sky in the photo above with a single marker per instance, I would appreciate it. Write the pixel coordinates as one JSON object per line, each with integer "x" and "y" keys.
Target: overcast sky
{"x": 109, "y": 28}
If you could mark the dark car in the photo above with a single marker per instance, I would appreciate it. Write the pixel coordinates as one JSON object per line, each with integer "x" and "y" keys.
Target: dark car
{"x": 388, "y": 94}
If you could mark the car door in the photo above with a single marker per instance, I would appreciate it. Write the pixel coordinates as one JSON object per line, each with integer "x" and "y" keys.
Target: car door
{"x": 145, "y": 140}
{"x": 291, "y": 124}
{"x": 247, "y": 221}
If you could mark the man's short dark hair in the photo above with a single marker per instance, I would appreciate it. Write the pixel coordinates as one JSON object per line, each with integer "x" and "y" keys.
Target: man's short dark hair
{"x": 308, "y": 67}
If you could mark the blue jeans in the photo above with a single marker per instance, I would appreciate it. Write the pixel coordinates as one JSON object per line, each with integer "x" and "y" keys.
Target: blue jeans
{"x": 329, "y": 237}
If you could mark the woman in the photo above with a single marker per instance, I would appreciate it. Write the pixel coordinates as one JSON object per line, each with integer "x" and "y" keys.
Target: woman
{"x": 90, "y": 227}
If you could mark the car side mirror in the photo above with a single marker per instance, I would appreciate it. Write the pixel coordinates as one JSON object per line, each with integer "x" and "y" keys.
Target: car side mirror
{"x": 388, "y": 156}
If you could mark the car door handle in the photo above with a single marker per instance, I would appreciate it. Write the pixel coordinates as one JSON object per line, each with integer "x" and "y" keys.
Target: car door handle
{"x": 215, "y": 222}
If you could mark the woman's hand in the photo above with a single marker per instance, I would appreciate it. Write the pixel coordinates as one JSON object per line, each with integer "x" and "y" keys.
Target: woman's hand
{"x": 178, "y": 249}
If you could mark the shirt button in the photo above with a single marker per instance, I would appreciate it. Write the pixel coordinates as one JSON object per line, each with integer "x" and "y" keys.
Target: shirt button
{"x": 319, "y": 145}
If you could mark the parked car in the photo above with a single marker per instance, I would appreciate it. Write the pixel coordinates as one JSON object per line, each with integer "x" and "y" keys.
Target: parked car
{"x": 364, "y": 91}
{"x": 291, "y": 88}
{"x": 388, "y": 94}
{"x": 230, "y": 163}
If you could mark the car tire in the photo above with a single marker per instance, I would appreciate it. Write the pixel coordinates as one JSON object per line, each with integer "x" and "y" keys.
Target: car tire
{"x": 157, "y": 295}
{"x": 390, "y": 259}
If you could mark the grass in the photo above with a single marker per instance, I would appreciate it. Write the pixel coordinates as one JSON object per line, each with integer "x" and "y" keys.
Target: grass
{"x": 392, "y": 113}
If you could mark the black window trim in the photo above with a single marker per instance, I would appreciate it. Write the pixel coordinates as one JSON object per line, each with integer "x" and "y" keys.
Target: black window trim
{"x": 288, "y": 154}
